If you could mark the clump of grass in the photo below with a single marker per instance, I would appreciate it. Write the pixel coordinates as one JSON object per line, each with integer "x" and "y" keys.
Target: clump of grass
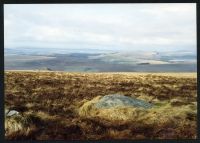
{"x": 21, "y": 126}
{"x": 88, "y": 107}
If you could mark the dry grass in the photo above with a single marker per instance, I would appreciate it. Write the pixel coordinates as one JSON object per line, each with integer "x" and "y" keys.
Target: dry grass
{"x": 59, "y": 105}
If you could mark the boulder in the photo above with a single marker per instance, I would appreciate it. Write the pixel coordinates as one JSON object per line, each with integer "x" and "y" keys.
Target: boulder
{"x": 11, "y": 113}
{"x": 116, "y": 100}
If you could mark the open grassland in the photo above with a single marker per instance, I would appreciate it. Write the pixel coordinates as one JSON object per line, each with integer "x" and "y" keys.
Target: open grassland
{"x": 57, "y": 105}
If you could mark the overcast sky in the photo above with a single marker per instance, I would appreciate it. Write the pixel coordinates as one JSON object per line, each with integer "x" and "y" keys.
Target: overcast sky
{"x": 101, "y": 26}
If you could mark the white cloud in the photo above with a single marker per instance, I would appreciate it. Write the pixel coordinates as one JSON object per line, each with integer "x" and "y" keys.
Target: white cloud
{"x": 116, "y": 25}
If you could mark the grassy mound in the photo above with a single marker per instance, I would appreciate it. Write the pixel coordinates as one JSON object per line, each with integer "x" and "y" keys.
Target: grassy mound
{"x": 161, "y": 112}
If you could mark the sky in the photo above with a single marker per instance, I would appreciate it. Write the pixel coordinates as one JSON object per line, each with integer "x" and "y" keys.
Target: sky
{"x": 157, "y": 27}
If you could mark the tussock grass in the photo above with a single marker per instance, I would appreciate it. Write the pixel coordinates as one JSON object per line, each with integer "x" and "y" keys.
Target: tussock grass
{"x": 158, "y": 114}
{"x": 21, "y": 126}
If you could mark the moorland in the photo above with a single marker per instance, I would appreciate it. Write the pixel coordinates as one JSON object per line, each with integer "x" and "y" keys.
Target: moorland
{"x": 51, "y": 104}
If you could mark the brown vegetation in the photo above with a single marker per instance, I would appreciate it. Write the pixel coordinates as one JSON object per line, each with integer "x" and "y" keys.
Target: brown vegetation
{"x": 51, "y": 103}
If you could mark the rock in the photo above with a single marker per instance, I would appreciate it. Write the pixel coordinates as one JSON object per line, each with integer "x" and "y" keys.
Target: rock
{"x": 11, "y": 113}
{"x": 116, "y": 100}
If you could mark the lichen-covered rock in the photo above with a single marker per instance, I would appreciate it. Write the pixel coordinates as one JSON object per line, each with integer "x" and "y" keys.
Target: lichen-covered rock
{"x": 116, "y": 100}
